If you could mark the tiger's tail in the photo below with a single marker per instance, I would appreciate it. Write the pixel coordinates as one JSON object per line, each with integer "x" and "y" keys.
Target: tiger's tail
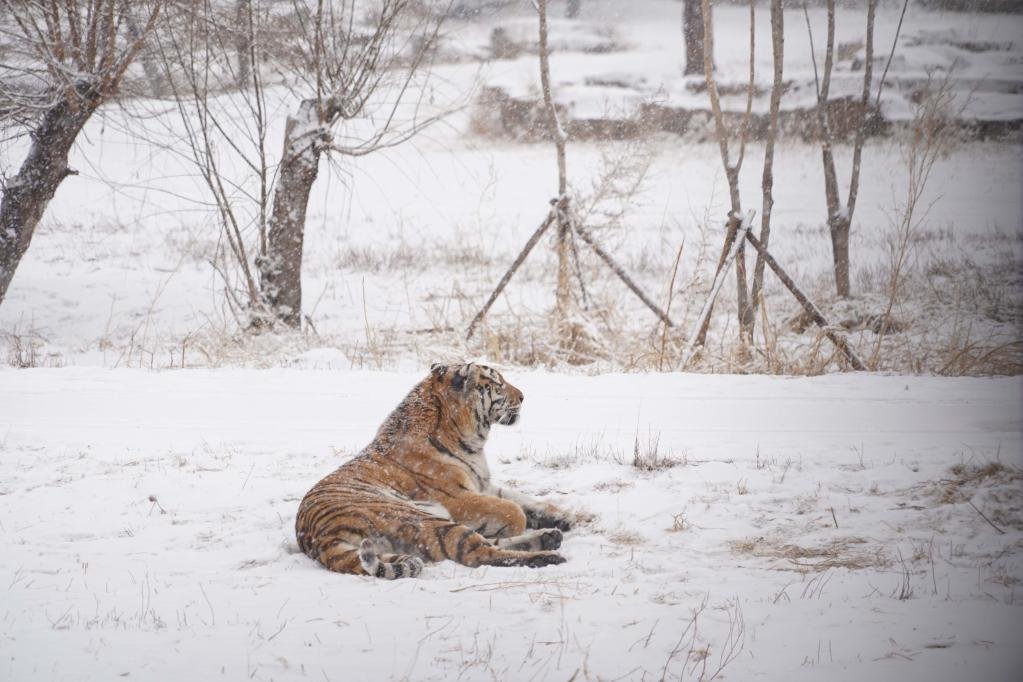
{"x": 389, "y": 568}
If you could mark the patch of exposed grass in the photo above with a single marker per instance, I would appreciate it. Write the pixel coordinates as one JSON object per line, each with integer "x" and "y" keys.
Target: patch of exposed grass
{"x": 626, "y": 537}
{"x": 968, "y": 478}
{"x": 650, "y": 458}
{"x": 851, "y": 552}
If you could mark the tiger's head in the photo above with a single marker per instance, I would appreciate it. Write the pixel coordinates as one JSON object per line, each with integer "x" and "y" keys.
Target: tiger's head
{"x": 481, "y": 390}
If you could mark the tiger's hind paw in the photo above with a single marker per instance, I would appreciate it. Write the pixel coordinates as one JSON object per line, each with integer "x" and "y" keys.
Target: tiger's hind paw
{"x": 415, "y": 566}
{"x": 390, "y": 567}
{"x": 541, "y": 559}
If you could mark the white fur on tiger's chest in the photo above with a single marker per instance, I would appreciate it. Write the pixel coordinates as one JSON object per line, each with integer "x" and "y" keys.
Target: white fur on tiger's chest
{"x": 478, "y": 470}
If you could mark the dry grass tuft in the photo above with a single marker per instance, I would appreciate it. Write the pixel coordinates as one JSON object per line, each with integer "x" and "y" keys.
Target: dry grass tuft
{"x": 581, "y": 517}
{"x": 650, "y": 458}
{"x": 850, "y": 553}
{"x": 967, "y": 479}
{"x": 22, "y": 349}
{"x": 26, "y": 348}
{"x": 626, "y": 537}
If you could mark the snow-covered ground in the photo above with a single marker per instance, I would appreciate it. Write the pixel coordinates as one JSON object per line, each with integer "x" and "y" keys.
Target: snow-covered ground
{"x": 614, "y": 60}
{"x": 403, "y": 247}
{"x": 818, "y": 528}
{"x": 837, "y": 527}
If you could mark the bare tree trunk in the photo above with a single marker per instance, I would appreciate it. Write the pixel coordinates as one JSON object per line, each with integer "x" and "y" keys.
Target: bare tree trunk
{"x": 154, "y": 74}
{"x": 839, "y": 216}
{"x": 861, "y": 130}
{"x": 84, "y": 61}
{"x": 563, "y": 293}
{"x": 838, "y": 223}
{"x": 29, "y": 192}
{"x": 839, "y": 228}
{"x": 838, "y": 219}
{"x": 280, "y": 271}
{"x": 243, "y": 41}
{"x": 767, "y": 180}
{"x": 745, "y": 311}
{"x": 693, "y": 34}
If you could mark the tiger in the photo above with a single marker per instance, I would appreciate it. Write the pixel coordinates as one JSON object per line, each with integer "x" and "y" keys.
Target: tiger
{"x": 421, "y": 490}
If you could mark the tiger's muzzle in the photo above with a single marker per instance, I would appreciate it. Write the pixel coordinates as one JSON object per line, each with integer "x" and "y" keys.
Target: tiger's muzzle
{"x": 512, "y": 406}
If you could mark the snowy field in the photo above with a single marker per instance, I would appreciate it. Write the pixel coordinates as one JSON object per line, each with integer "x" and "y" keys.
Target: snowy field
{"x": 818, "y": 528}
{"x": 729, "y": 526}
{"x": 403, "y": 247}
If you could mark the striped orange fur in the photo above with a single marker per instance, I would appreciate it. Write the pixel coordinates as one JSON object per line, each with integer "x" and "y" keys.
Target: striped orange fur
{"x": 422, "y": 491}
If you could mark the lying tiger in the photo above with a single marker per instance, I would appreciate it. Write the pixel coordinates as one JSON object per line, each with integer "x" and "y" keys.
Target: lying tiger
{"x": 422, "y": 490}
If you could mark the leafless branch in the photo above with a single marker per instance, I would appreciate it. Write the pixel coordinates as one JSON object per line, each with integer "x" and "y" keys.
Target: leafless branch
{"x": 891, "y": 53}
{"x": 861, "y": 129}
{"x": 984, "y": 516}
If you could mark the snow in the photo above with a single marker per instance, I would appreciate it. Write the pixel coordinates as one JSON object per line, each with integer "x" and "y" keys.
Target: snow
{"x": 147, "y": 516}
{"x": 120, "y": 262}
{"x": 981, "y": 51}
{"x": 147, "y": 522}
{"x": 415, "y": 238}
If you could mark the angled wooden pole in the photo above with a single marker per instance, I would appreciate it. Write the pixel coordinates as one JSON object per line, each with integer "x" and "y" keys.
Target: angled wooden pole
{"x": 699, "y": 333}
{"x": 551, "y": 217}
{"x": 622, "y": 275}
{"x": 812, "y": 310}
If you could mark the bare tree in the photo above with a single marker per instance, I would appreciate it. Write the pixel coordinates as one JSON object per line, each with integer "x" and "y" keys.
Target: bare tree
{"x": 693, "y": 35}
{"x": 933, "y": 134}
{"x": 564, "y": 236}
{"x": 150, "y": 65}
{"x": 243, "y": 41}
{"x": 733, "y": 247}
{"x": 732, "y": 167}
{"x": 344, "y": 64}
{"x": 767, "y": 179}
{"x": 840, "y": 216}
{"x": 64, "y": 60}
{"x": 570, "y": 334}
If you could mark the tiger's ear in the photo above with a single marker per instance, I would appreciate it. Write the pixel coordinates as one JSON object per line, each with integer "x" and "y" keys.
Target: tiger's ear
{"x": 437, "y": 369}
{"x": 465, "y": 378}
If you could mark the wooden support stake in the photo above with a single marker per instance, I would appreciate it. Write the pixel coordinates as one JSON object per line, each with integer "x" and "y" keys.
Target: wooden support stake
{"x": 617, "y": 269}
{"x": 812, "y": 310}
{"x": 700, "y": 329}
{"x": 551, "y": 217}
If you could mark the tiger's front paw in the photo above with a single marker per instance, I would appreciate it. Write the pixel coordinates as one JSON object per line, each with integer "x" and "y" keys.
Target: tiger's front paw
{"x": 550, "y": 538}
